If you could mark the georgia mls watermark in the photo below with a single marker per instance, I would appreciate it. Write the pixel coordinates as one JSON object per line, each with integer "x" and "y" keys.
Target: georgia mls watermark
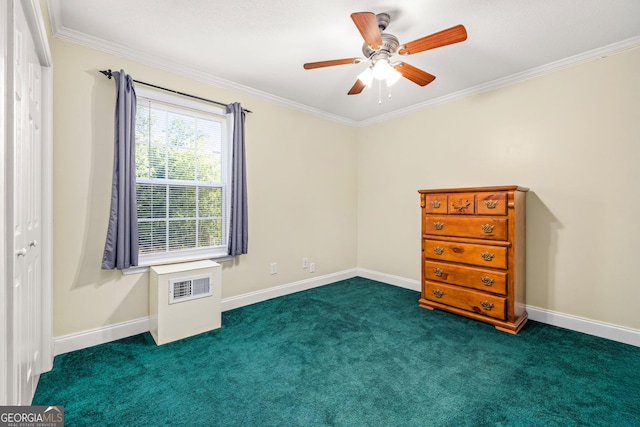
{"x": 31, "y": 416}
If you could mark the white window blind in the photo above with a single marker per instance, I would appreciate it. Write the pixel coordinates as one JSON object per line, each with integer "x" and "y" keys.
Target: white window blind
{"x": 182, "y": 154}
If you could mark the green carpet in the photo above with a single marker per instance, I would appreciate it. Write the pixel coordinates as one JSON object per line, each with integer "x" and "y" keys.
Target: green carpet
{"x": 353, "y": 353}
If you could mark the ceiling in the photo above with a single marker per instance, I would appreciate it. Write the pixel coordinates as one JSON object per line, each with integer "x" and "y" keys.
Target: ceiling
{"x": 259, "y": 46}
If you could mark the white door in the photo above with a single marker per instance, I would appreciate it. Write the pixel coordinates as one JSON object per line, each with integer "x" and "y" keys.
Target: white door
{"x": 26, "y": 301}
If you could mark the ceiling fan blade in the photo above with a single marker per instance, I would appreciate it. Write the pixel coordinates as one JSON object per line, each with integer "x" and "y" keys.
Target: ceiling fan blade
{"x": 358, "y": 86}
{"x": 414, "y": 74}
{"x": 445, "y": 37}
{"x": 320, "y": 64}
{"x": 368, "y": 26}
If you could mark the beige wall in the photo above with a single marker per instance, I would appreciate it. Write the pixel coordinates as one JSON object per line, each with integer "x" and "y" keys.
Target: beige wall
{"x": 302, "y": 192}
{"x": 571, "y": 136}
{"x": 347, "y": 197}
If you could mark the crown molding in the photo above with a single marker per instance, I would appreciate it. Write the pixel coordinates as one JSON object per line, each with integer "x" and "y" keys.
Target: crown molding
{"x": 157, "y": 62}
{"x": 509, "y": 80}
{"x": 61, "y": 32}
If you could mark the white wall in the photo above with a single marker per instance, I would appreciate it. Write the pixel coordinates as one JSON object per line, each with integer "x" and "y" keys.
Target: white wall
{"x": 301, "y": 183}
{"x": 572, "y": 137}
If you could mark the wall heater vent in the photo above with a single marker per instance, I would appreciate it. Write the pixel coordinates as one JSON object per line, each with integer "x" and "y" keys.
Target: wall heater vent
{"x": 187, "y": 289}
{"x": 184, "y": 299}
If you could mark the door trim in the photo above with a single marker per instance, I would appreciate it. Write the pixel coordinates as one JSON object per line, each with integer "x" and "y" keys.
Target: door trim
{"x": 37, "y": 29}
{"x": 4, "y": 276}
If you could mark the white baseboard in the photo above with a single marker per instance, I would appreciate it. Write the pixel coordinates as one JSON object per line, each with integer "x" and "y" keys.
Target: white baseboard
{"x": 85, "y": 339}
{"x": 586, "y": 326}
{"x": 567, "y": 321}
{"x": 290, "y": 288}
{"x": 117, "y": 331}
{"x": 402, "y": 282}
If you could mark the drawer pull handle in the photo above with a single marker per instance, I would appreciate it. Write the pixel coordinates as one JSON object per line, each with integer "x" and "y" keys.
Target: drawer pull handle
{"x": 438, "y": 250}
{"x": 487, "y": 281}
{"x": 491, "y": 204}
{"x": 460, "y": 205}
{"x": 486, "y": 305}
{"x": 487, "y": 256}
{"x": 487, "y": 228}
{"x": 438, "y": 272}
{"x": 435, "y": 204}
{"x": 438, "y": 225}
{"x": 438, "y": 293}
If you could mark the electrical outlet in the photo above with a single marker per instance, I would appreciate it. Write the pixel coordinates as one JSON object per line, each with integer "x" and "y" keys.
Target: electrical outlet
{"x": 312, "y": 267}
{"x": 305, "y": 262}
{"x": 274, "y": 268}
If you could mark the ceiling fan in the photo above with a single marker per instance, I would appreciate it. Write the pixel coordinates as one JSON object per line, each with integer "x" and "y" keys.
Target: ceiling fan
{"x": 379, "y": 47}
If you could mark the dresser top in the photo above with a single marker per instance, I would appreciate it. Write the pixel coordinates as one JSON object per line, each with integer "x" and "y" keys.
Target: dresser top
{"x": 474, "y": 189}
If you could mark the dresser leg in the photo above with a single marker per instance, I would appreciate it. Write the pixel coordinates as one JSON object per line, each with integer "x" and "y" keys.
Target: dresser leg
{"x": 511, "y": 331}
{"x": 516, "y": 326}
{"x": 424, "y": 304}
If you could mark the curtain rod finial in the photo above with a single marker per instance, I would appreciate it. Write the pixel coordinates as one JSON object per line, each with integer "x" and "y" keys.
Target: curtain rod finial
{"x": 107, "y": 73}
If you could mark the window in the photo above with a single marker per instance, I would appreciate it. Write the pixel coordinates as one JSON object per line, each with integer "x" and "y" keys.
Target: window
{"x": 182, "y": 167}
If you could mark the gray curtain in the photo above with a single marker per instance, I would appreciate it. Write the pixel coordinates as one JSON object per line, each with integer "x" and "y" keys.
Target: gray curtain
{"x": 121, "y": 246}
{"x": 238, "y": 225}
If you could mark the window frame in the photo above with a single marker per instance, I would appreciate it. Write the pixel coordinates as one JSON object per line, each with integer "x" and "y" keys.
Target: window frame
{"x": 186, "y": 106}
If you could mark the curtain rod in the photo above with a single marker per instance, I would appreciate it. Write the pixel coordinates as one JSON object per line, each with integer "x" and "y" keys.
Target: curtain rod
{"x": 109, "y": 74}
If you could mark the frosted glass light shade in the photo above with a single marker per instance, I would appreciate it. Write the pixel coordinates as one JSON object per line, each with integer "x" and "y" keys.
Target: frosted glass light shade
{"x": 366, "y": 77}
{"x": 381, "y": 70}
{"x": 393, "y": 76}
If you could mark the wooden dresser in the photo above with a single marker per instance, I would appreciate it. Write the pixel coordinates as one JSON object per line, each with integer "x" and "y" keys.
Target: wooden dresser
{"x": 473, "y": 253}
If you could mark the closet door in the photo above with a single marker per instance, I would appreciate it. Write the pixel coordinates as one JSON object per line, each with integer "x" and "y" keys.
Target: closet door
{"x": 5, "y": 241}
{"x": 26, "y": 301}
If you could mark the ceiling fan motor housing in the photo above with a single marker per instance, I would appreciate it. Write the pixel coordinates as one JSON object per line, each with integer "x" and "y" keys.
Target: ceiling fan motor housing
{"x": 390, "y": 45}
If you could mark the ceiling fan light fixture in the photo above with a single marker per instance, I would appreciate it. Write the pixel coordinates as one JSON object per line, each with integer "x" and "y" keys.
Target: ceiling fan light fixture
{"x": 366, "y": 77}
{"x": 393, "y": 77}
{"x": 381, "y": 69}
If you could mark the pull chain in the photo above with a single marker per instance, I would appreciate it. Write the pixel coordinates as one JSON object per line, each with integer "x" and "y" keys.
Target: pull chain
{"x": 380, "y": 92}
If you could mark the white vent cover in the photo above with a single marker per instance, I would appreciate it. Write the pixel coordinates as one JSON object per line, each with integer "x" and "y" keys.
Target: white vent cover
{"x": 197, "y": 286}
{"x": 187, "y": 289}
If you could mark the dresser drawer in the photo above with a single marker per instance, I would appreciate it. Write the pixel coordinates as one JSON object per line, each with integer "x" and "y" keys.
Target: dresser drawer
{"x": 466, "y": 253}
{"x": 466, "y": 299}
{"x": 477, "y": 278}
{"x": 462, "y": 203}
{"x": 474, "y": 227}
{"x": 435, "y": 203}
{"x": 492, "y": 203}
